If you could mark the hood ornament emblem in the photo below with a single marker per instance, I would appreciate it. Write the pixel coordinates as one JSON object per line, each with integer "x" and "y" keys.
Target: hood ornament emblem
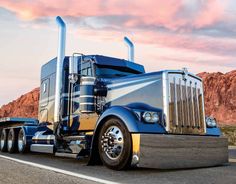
{"x": 185, "y": 74}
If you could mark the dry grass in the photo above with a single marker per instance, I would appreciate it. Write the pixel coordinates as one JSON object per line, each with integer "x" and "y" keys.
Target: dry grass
{"x": 230, "y": 132}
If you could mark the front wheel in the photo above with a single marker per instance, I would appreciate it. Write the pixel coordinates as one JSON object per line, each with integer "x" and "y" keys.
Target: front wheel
{"x": 115, "y": 145}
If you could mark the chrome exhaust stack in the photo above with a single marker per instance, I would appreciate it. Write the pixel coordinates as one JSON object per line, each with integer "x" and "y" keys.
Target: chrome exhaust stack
{"x": 60, "y": 59}
{"x": 131, "y": 49}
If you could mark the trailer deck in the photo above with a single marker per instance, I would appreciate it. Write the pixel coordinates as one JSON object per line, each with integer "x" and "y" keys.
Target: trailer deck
{"x": 13, "y": 122}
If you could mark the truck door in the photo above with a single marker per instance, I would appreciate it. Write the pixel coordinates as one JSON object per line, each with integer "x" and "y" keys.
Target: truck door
{"x": 44, "y": 98}
{"x": 87, "y": 121}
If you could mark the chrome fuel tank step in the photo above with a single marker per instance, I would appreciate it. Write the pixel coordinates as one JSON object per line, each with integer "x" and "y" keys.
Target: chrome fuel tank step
{"x": 43, "y": 138}
{"x": 42, "y": 148}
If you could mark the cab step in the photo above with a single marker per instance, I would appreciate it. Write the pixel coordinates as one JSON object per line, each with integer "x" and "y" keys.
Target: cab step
{"x": 66, "y": 155}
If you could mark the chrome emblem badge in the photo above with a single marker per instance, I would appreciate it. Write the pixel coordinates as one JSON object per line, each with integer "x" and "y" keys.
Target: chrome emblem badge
{"x": 185, "y": 74}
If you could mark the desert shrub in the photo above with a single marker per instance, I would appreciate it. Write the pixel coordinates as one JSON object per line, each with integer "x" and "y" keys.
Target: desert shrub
{"x": 230, "y": 133}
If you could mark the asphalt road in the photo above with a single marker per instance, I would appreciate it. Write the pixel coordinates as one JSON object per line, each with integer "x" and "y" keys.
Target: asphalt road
{"x": 12, "y": 172}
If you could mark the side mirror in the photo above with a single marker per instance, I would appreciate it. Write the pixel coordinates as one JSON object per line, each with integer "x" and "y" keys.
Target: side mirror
{"x": 73, "y": 69}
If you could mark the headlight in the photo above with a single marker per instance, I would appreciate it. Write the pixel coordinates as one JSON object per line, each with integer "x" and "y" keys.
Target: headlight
{"x": 211, "y": 122}
{"x": 150, "y": 117}
{"x": 155, "y": 117}
{"x": 147, "y": 116}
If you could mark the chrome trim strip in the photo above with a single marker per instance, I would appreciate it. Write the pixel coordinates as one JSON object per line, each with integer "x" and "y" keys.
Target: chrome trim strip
{"x": 88, "y": 83}
{"x": 166, "y": 99}
{"x": 203, "y": 107}
{"x": 87, "y": 96}
{"x": 113, "y": 85}
{"x": 63, "y": 95}
{"x": 192, "y": 105}
{"x": 182, "y": 103}
{"x": 176, "y": 118}
{"x": 198, "y": 107}
{"x": 87, "y": 103}
{"x": 187, "y": 102}
{"x": 48, "y": 139}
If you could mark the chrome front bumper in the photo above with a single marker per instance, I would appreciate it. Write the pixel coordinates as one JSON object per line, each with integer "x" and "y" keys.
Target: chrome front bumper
{"x": 178, "y": 151}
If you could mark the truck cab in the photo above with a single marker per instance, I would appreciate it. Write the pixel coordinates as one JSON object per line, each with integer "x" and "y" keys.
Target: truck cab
{"x": 101, "y": 68}
{"x": 110, "y": 110}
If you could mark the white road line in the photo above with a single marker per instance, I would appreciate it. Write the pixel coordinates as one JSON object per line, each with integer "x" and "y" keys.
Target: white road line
{"x": 232, "y": 160}
{"x": 82, "y": 176}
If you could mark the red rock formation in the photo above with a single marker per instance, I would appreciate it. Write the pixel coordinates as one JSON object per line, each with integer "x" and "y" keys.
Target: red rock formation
{"x": 25, "y": 106}
{"x": 220, "y": 99}
{"x": 220, "y": 96}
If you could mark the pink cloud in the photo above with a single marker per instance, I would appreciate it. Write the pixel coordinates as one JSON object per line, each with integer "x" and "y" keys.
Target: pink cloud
{"x": 212, "y": 12}
{"x": 218, "y": 46}
{"x": 179, "y": 18}
{"x": 172, "y": 14}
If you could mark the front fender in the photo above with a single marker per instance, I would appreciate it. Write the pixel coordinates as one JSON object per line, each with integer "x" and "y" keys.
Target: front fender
{"x": 130, "y": 120}
{"x": 125, "y": 114}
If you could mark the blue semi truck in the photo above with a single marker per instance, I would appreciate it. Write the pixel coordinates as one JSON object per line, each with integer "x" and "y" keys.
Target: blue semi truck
{"x": 113, "y": 113}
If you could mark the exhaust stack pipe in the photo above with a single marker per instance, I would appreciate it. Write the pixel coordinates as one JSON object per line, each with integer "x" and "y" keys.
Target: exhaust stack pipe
{"x": 131, "y": 49}
{"x": 60, "y": 59}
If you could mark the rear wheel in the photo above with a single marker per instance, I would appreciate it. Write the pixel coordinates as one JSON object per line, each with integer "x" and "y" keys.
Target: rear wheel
{"x": 12, "y": 141}
{"x": 115, "y": 145}
{"x": 3, "y": 141}
{"x": 22, "y": 142}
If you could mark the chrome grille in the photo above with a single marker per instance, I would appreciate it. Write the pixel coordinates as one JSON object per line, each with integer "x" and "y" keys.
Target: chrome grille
{"x": 186, "y": 110}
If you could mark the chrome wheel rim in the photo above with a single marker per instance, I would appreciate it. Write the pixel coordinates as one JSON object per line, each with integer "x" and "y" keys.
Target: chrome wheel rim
{"x": 2, "y": 141}
{"x": 21, "y": 140}
{"x": 10, "y": 142}
{"x": 112, "y": 142}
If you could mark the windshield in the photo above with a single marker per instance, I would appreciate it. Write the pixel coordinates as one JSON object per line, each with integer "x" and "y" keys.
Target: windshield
{"x": 111, "y": 72}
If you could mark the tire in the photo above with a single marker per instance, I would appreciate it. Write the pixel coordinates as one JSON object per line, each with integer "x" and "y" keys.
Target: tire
{"x": 22, "y": 142}
{"x": 3, "y": 141}
{"x": 12, "y": 141}
{"x": 115, "y": 145}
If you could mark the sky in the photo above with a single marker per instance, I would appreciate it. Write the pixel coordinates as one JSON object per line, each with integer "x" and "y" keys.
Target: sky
{"x": 168, "y": 34}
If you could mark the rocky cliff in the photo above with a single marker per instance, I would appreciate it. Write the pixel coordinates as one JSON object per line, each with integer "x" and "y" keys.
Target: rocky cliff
{"x": 25, "y": 106}
{"x": 220, "y": 99}
{"x": 220, "y": 96}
